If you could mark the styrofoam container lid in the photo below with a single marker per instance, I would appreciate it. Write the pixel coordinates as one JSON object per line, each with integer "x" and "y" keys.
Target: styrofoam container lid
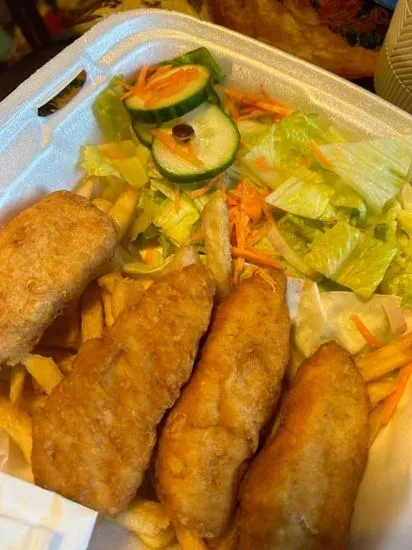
{"x": 39, "y": 155}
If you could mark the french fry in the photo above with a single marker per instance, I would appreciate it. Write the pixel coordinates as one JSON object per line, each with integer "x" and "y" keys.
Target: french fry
{"x": 163, "y": 539}
{"x": 44, "y": 371}
{"x": 148, "y": 520}
{"x": 215, "y": 224}
{"x": 31, "y": 401}
{"x": 92, "y": 313}
{"x": 17, "y": 424}
{"x": 86, "y": 188}
{"x": 375, "y": 422}
{"x": 106, "y": 282}
{"x": 102, "y": 204}
{"x": 378, "y": 391}
{"x": 397, "y": 353}
{"x": 189, "y": 540}
{"x": 126, "y": 293}
{"x": 18, "y": 375}
{"x": 66, "y": 365}
{"x": 123, "y": 211}
{"x": 107, "y": 306}
{"x": 64, "y": 332}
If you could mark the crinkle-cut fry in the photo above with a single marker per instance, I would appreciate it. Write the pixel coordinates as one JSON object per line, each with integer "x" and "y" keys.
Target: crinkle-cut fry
{"x": 124, "y": 210}
{"x": 108, "y": 310}
{"x": 102, "y": 204}
{"x": 380, "y": 390}
{"x": 64, "y": 332}
{"x": 44, "y": 371}
{"x": 375, "y": 422}
{"x": 92, "y": 312}
{"x": 215, "y": 224}
{"x": 17, "y": 424}
{"x": 86, "y": 188}
{"x": 189, "y": 540}
{"x": 17, "y": 378}
{"x": 145, "y": 517}
{"x": 126, "y": 293}
{"x": 107, "y": 282}
{"x": 394, "y": 355}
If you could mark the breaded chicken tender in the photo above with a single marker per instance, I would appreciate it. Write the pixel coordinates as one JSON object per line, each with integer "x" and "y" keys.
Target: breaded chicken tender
{"x": 94, "y": 438}
{"x": 299, "y": 492}
{"x": 48, "y": 255}
{"x": 213, "y": 430}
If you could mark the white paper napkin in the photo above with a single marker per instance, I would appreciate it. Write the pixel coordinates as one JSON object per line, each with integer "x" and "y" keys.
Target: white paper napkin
{"x": 32, "y": 518}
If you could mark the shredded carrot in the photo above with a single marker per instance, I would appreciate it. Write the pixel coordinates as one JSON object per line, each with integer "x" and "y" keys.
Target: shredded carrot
{"x": 202, "y": 190}
{"x": 160, "y": 70}
{"x": 255, "y": 236}
{"x": 191, "y": 147}
{"x": 177, "y": 198}
{"x": 239, "y": 96}
{"x": 364, "y": 331}
{"x": 262, "y": 164}
{"x": 256, "y": 113}
{"x": 153, "y": 98}
{"x": 267, "y": 278}
{"x": 148, "y": 259}
{"x": 141, "y": 80}
{"x": 268, "y": 96}
{"x": 276, "y": 109}
{"x": 182, "y": 75}
{"x": 198, "y": 235}
{"x": 318, "y": 154}
{"x": 266, "y": 211}
{"x": 170, "y": 143}
{"x": 234, "y": 113}
{"x": 393, "y": 400}
{"x": 256, "y": 257}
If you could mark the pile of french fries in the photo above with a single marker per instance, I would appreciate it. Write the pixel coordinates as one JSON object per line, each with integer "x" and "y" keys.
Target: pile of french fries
{"x": 26, "y": 385}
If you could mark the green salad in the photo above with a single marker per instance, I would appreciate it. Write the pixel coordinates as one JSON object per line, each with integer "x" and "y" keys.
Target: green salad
{"x": 299, "y": 194}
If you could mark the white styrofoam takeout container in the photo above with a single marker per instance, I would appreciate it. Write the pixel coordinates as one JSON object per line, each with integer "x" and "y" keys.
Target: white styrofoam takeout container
{"x": 39, "y": 155}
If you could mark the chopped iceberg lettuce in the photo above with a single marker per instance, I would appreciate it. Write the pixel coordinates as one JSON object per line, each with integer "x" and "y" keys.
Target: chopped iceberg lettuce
{"x": 326, "y": 316}
{"x": 177, "y": 225}
{"x": 294, "y": 135}
{"x": 123, "y": 159}
{"x": 376, "y": 168}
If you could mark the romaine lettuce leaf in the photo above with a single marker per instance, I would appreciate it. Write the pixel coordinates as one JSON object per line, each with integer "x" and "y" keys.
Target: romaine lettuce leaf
{"x": 304, "y": 194}
{"x": 347, "y": 198}
{"x": 376, "y": 168}
{"x": 264, "y": 148}
{"x": 110, "y": 112}
{"x": 331, "y": 249}
{"x": 294, "y": 135}
{"x": 398, "y": 281}
{"x": 364, "y": 270}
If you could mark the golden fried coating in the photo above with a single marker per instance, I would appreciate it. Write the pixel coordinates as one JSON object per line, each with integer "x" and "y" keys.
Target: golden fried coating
{"x": 300, "y": 491}
{"x": 48, "y": 254}
{"x": 214, "y": 428}
{"x": 93, "y": 440}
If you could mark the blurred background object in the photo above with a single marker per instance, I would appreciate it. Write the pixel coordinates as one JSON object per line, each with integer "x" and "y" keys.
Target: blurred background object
{"x": 343, "y": 36}
{"x": 393, "y": 78}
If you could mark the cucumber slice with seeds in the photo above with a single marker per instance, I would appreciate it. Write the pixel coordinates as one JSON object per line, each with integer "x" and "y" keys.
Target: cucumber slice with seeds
{"x": 175, "y": 105}
{"x": 216, "y": 142}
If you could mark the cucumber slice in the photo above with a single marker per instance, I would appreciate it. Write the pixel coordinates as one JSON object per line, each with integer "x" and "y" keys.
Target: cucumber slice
{"x": 201, "y": 56}
{"x": 143, "y": 132}
{"x": 176, "y": 105}
{"x": 216, "y": 142}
